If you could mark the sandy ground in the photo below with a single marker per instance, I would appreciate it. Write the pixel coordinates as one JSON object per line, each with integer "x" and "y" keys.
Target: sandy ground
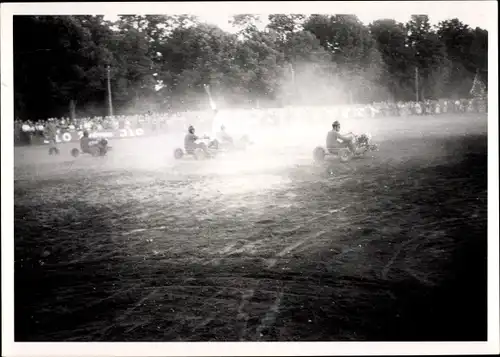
{"x": 255, "y": 246}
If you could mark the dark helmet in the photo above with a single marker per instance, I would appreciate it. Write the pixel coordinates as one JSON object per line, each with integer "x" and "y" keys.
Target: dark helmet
{"x": 191, "y": 129}
{"x": 336, "y": 124}
{"x": 86, "y": 133}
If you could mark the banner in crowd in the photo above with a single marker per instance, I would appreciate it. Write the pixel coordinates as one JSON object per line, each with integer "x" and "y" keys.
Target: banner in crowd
{"x": 75, "y": 136}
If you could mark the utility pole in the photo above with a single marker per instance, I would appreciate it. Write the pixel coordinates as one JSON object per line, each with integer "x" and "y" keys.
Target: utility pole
{"x": 293, "y": 74}
{"x": 416, "y": 83}
{"x": 110, "y": 101}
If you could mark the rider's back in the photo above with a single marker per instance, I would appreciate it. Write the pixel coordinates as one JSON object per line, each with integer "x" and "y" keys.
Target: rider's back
{"x": 332, "y": 139}
{"x": 85, "y": 143}
{"x": 189, "y": 141}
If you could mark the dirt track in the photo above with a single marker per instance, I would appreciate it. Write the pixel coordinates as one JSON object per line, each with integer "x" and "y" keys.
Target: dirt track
{"x": 260, "y": 246}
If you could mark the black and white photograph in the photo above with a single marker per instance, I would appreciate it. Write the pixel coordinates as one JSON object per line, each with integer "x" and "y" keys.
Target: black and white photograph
{"x": 292, "y": 175}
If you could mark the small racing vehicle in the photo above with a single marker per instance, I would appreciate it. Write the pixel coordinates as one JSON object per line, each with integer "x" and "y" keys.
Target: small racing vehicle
{"x": 209, "y": 150}
{"x": 213, "y": 148}
{"x": 101, "y": 148}
{"x": 240, "y": 144}
{"x": 363, "y": 145}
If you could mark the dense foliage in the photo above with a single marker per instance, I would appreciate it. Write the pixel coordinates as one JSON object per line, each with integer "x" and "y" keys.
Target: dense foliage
{"x": 161, "y": 62}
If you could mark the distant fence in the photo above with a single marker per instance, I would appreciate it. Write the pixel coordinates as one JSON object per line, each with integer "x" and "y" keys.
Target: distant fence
{"x": 244, "y": 118}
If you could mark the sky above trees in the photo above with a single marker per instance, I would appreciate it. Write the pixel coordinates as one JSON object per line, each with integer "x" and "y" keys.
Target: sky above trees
{"x": 368, "y": 15}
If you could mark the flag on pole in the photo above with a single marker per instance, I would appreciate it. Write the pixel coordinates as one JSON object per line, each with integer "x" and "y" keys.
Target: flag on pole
{"x": 212, "y": 103}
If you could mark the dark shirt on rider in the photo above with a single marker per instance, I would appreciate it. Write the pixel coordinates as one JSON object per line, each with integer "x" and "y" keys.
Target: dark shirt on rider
{"x": 86, "y": 143}
{"x": 190, "y": 141}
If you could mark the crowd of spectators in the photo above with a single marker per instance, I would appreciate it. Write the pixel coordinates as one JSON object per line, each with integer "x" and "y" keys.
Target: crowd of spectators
{"x": 160, "y": 121}
{"x": 151, "y": 120}
{"x": 94, "y": 123}
{"x": 427, "y": 107}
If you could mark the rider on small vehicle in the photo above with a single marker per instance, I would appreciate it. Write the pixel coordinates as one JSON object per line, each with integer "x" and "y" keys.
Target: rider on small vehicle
{"x": 190, "y": 143}
{"x": 335, "y": 139}
{"x": 87, "y": 144}
{"x": 223, "y": 136}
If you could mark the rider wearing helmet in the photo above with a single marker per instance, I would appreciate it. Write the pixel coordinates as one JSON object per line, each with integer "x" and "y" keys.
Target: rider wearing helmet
{"x": 335, "y": 139}
{"x": 190, "y": 139}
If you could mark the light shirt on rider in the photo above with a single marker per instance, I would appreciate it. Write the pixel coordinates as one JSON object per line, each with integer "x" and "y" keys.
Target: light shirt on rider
{"x": 335, "y": 139}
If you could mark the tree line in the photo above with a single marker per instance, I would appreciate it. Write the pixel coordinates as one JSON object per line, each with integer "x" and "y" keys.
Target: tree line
{"x": 64, "y": 64}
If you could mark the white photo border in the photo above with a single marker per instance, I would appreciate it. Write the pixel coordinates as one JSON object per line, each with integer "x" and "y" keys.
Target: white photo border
{"x": 487, "y": 12}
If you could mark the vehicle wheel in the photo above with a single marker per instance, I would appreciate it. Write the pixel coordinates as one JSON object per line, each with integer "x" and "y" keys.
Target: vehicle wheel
{"x": 345, "y": 155}
{"x": 95, "y": 152}
{"x": 199, "y": 154}
{"x": 319, "y": 154}
{"x": 178, "y": 154}
{"x": 75, "y": 152}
